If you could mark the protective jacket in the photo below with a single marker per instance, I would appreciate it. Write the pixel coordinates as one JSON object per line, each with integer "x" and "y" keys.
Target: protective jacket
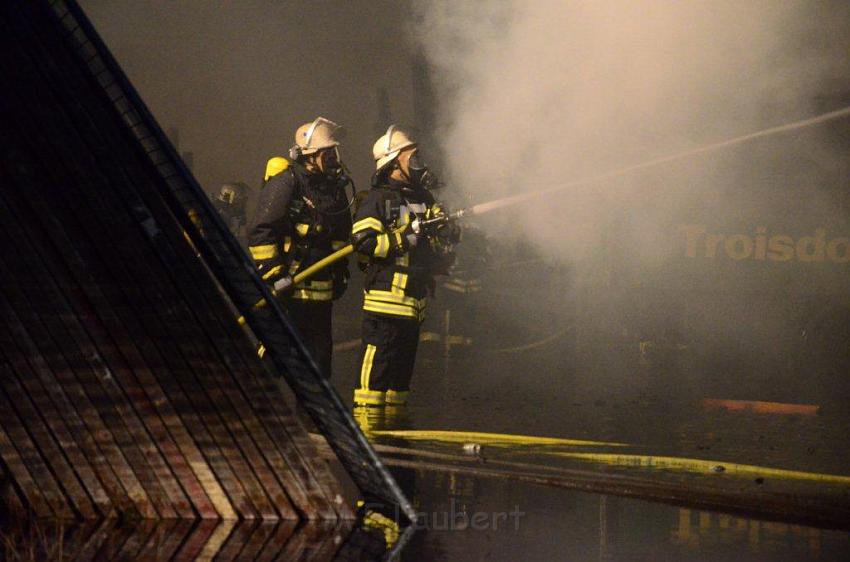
{"x": 301, "y": 218}
{"x": 398, "y": 276}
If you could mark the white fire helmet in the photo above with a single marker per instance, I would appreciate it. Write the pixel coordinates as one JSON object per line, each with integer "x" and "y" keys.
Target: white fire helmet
{"x": 388, "y": 147}
{"x": 312, "y": 137}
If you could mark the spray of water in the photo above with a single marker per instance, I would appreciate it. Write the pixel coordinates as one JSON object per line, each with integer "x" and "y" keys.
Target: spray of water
{"x": 536, "y": 92}
{"x": 483, "y": 208}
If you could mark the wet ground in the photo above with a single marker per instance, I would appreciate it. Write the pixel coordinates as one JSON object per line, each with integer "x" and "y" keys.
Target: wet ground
{"x": 466, "y": 519}
{"x": 762, "y": 434}
{"x": 527, "y": 522}
{"x": 704, "y": 446}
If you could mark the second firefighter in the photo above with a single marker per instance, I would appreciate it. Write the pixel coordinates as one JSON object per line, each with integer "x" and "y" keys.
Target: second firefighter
{"x": 302, "y": 217}
{"x": 402, "y": 260}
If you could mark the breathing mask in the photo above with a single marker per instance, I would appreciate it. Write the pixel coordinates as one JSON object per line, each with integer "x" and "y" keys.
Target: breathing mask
{"x": 329, "y": 163}
{"x": 419, "y": 174}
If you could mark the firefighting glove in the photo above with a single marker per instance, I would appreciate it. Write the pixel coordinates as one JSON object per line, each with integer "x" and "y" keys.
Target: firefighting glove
{"x": 412, "y": 234}
{"x": 272, "y": 271}
{"x": 284, "y": 285}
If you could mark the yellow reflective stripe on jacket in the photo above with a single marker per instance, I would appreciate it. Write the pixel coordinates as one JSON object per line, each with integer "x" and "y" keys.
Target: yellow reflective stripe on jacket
{"x": 264, "y": 252}
{"x": 367, "y": 223}
{"x": 338, "y": 244}
{"x": 302, "y": 228}
{"x": 393, "y": 298}
{"x": 396, "y": 292}
{"x": 394, "y": 301}
{"x": 272, "y": 272}
{"x": 391, "y": 309}
{"x": 287, "y": 244}
{"x": 314, "y": 291}
{"x": 317, "y": 285}
{"x": 307, "y": 295}
{"x": 399, "y": 310}
{"x": 383, "y": 247}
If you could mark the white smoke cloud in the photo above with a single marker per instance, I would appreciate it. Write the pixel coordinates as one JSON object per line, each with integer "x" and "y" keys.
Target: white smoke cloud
{"x": 539, "y": 92}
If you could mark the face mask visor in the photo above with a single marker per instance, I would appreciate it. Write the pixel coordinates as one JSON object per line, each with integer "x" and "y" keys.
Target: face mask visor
{"x": 419, "y": 174}
{"x": 329, "y": 162}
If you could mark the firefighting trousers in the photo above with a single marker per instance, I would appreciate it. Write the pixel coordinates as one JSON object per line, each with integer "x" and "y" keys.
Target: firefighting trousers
{"x": 387, "y": 359}
{"x": 313, "y": 321}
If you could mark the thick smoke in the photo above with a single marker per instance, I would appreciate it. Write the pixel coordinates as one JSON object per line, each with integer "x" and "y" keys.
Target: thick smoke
{"x": 739, "y": 256}
{"x": 541, "y": 92}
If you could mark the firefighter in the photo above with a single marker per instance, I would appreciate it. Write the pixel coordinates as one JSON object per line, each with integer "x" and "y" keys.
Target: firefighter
{"x": 402, "y": 260}
{"x": 303, "y": 216}
{"x": 230, "y": 204}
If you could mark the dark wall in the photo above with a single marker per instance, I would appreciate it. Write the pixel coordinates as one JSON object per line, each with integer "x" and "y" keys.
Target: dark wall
{"x": 237, "y": 78}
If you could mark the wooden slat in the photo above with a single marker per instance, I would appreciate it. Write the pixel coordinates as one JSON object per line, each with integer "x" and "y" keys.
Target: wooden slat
{"x": 24, "y": 485}
{"x": 36, "y": 483}
{"x": 40, "y": 430}
{"x": 8, "y": 493}
{"x": 326, "y": 550}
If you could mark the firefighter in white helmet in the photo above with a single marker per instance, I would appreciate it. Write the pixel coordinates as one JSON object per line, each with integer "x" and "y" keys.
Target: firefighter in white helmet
{"x": 403, "y": 259}
{"x": 303, "y": 216}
